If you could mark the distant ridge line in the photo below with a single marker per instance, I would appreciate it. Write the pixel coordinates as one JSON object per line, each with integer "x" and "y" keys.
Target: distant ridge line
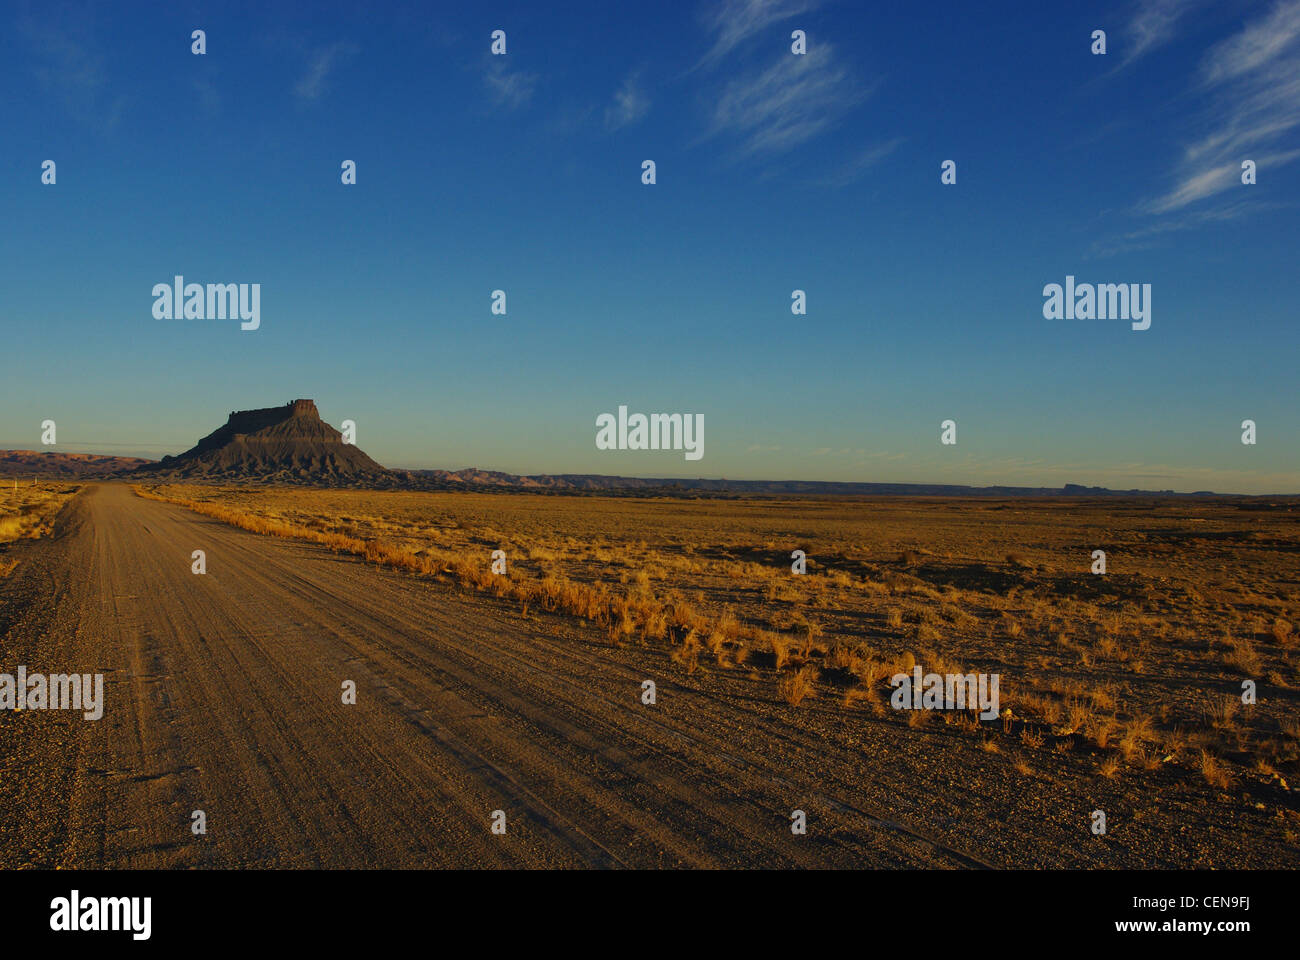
{"x": 55, "y": 465}
{"x": 593, "y": 482}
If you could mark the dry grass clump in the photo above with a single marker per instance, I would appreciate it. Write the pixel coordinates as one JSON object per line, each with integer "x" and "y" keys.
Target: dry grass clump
{"x": 1243, "y": 656}
{"x": 795, "y": 687}
{"x": 1214, "y": 771}
{"x": 1136, "y": 734}
{"x": 1282, "y": 632}
{"x": 1031, "y": 738}
{"x": 1218, "y": 712}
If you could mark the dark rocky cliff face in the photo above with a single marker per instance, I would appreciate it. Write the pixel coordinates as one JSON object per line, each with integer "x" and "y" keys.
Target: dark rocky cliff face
{"x": 299, "y": 419}
{"x": 288, "y": 444}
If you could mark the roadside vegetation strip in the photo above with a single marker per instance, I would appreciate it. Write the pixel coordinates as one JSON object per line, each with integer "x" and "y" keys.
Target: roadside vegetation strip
{"x": 797, "y": 659}
{"x": 1038, "y": 714}
{"x": 803, "y": 661}
{"x": 28, "y": 511}
{"x": 621, "y": 616}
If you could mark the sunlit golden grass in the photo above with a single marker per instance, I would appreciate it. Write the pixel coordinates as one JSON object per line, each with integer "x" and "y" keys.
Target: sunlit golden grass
{"x": 622, "y": 616}
{"x": 1194, "y": 590}
{"x": 27, "y": 510}
{"x": 798, "y": 686}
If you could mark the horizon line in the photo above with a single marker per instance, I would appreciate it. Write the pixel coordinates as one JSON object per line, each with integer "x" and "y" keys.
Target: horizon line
{"x": 667, "y": 480}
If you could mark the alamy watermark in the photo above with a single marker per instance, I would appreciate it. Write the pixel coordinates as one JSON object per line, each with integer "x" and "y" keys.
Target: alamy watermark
{"x": 1102, "y": 301}
{"x": 75, "y": 913}
{"x": 658, "y": 431}
{"x": 58, "y": 691}
{"x": 179, "y": 300}
{"x": 946, "y": 691}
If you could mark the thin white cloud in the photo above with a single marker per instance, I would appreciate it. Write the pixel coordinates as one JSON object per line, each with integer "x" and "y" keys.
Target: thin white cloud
{"x": 321, "y": 64}
{"x": 1197, "y": 186}
{"x": 778, "y": 108}
{"x": 864, "y": 161}
{"x": 1252, "y": 82}
{"x": 735, "y": 21}
{"x": 1146, "y": 237}
{"x": 630, "y": 104}
{"x": 1154, "y": 24}
{"x": 1259, "y": 45}
{"x": 509, "y": 88}
{"x": 70, "y": 64}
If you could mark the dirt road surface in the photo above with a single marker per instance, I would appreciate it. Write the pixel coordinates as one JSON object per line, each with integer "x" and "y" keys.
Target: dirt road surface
{"x": 223, "y": 694}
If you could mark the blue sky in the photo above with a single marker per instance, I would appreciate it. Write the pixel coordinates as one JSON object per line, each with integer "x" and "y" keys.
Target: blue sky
{"x": 775, "y": 172}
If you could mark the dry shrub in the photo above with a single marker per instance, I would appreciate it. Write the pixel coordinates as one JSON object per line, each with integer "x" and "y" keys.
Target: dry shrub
{"x": 780, "y": 650}
{"x": 1214, "y": 772}
{"x": 1099, "y": 730}
{"x": 1218, "y": 712}
{"x": 1031, "y": 738}
{"x": 1282, "y": 632}
{"x": 687, "y": 654}
{"x": 1243, "y": 657}
{"x": 844, "y": 657}
{"x": 796, "y": 687}
{"x": 1136, "y": 733}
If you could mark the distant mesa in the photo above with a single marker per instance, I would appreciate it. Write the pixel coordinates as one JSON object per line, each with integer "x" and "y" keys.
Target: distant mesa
{"x": 288, "y": 444}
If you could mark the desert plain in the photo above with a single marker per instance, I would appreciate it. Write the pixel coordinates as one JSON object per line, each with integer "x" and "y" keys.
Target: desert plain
{"x": 1164, "y": 693}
